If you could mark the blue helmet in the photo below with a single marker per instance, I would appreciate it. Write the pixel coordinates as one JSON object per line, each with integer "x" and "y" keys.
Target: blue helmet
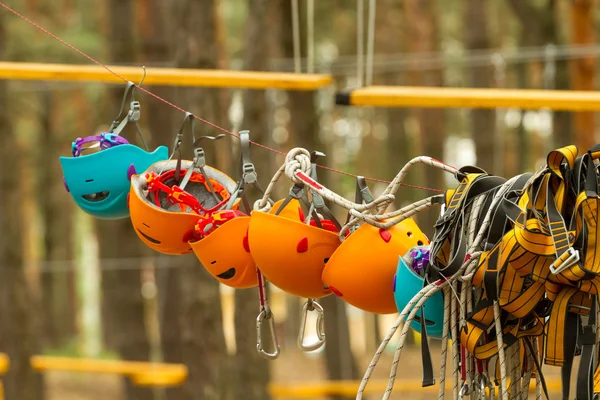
{"x": 99, "y": 182}
{"x": 408, "y": 281}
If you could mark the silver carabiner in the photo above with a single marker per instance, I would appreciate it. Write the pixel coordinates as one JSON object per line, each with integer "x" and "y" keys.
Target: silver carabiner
{"x": 312, "y": 305}
{"x": 266, "y": 315}
{"x": 465, "y": 390}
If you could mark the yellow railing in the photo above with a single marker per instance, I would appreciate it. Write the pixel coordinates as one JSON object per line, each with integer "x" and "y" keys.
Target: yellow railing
{"x": 378, "y": 386}
{"x": 442, "y": 97}
{"x": 140, "y": 373}
{"x": 165, "y": 76}
{"x": 159, "y": 374}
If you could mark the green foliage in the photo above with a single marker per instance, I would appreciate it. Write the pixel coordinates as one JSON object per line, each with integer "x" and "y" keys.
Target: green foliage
{"x": 70, "y": 350}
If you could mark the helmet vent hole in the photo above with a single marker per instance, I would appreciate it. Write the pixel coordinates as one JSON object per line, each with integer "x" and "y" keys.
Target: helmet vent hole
{"x": 326, "y": 259}
{"x": 420, "y": 243}
{"x": 213, "y": 262}
{"x": 409, "y": 234}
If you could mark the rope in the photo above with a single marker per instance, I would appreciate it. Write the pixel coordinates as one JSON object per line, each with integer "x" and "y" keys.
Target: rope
{"x": 93, "y": 60}
{"x": 360, "y": 18}
{"x": 310, "y": 36}
{"x": 296, "y": 35}
{"x": 370, "y": 43}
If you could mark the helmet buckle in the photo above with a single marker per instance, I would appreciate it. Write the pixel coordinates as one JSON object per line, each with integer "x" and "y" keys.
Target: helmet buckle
{"x": 249, "y": 173}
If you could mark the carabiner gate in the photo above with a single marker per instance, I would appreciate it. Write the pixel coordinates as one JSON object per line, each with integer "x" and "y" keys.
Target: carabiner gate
{"x": 312, "y": 305}
{"x": 266, "y": 315}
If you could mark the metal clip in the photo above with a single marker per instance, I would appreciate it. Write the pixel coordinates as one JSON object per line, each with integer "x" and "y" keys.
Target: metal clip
{"x": 249, "y": 173}
{"x": 134, "y": 111}
{"x": 266, "y": 315}
{"x": 566, "y": 263}
{"x": 312, "y": 305}
{"x": 465, "y": 390}
{"x": 199, "y": 158}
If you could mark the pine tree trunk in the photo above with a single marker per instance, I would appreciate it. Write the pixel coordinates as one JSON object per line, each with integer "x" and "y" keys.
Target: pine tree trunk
{"x": 123, "y": 302}
{"x": 421, "y": 17}
{"x": 57, "y": 209}
{"x": 483, "y": 122}
{"x": 198, "y": 305}
{"x": 252, "y": 370}
{"x": 20, "y": 332}
{"x": 583, "y": 70}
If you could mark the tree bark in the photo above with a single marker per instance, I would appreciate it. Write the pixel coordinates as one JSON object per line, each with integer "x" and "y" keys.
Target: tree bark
{"x": 421, "y": 18}
{"x": 483, "y": 122}
{"x": 540, "y": 26}
{"x": 20, "y": 333}
{"x": 583, "y": 70}
{"x": 304, "y": 132}
{"x": 201, "y": 334}
{"x": 123, "y": 302}
{"x": 252, "y": 370}
{"x": 56, "y": 208}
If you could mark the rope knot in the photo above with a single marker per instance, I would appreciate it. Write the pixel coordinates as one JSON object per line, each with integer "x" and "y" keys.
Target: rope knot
{"x": 297, "y": 159}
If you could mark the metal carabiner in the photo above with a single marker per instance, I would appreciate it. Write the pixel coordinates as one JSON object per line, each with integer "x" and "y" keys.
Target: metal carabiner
{"x": 266, "y": 314}
{"x": 312, "y": 305}
{"x": 465, "y": 390}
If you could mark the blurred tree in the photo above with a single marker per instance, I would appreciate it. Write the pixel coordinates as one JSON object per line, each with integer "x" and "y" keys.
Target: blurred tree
{"x": 192, "y": 322}
{"x": 20, "y": 333}
{"x": 123, "y": 311}
{"x": 304, "y": 132}
{"x": 422, "y": 27}
{"x": 483, "y": 121}
{"x": 583, "y": 70}
{"x": 540, "y": 25}
{"x": 252, "y": 371}
{"x": 56, "y": 210}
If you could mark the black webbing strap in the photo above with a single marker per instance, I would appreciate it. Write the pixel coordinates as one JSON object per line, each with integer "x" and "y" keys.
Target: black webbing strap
{"x": 538, "y": 365}
{"x": 587, "y": 367}
{"x": 570, "y": 346}
{"x": 428, "y": 374}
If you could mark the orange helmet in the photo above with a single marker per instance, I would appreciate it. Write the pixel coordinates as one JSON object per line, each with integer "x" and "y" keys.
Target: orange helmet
{"x": 290, "y": 253}
{"x": 221, "y": 239}
{"x": 362, "y": 269}
{"x": 163, "y": 215}
{"x": 224, "y": 252}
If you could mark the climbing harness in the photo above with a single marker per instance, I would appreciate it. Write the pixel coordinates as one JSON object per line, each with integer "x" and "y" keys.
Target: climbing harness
{"x": 99, "y": 181}
{"x": 516, "y": 262}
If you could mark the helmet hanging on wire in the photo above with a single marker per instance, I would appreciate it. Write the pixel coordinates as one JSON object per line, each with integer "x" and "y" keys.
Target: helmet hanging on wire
{"x": 290, "y": 249}
{"x": 221, "y": 238}
{"x": 99, "y": 181}
{"x": 361, "y": 270}
{"x": 169, "y": 198}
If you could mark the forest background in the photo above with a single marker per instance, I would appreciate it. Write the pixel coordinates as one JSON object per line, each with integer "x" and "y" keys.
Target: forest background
{"x": 74, "y": 286}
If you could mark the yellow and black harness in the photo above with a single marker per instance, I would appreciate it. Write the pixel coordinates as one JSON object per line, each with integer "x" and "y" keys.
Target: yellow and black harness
{"x": 539, "y": 263}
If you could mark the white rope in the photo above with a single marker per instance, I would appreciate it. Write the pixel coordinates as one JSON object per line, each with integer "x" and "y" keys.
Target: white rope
{"x": 444, "y": 351}
{"x": 421, "y": 297}
{"x": 501, "y": 355}
{"x": 455, "y": 348}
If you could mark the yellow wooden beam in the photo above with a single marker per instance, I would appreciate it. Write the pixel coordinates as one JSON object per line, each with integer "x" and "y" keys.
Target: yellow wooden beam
{"x": 437, "y": 97}
{"x": 349, "y": 388}
{"x": 164, "y": 76}
{"x": 4, "y": 363}
{"x": 140, "y": 373}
